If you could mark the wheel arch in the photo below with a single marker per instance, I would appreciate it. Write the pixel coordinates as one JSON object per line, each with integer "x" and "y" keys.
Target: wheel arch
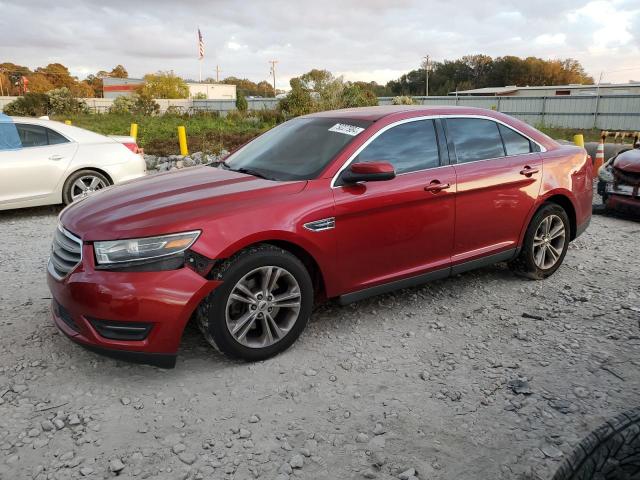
{"x": 567, "y": 205}
{"x": 93, "y": 169}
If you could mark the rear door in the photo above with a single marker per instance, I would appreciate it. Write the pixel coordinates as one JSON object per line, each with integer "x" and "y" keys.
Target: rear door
{"x": 402, "y": 227}
{"x": 498, "y": 173}
{"x": 36, "y": 168}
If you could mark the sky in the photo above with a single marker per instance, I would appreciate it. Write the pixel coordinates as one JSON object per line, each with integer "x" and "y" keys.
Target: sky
{"x": 359, "y": 39}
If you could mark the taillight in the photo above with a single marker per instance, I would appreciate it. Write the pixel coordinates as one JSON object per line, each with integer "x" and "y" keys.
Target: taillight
{"x": 132, "y": 146}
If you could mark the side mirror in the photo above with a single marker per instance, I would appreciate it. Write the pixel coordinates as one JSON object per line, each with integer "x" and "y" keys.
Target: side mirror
{"x": 369, "y": 172}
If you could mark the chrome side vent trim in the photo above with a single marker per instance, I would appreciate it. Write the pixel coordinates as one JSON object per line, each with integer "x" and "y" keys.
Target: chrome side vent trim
{"x": 320, "y": 225}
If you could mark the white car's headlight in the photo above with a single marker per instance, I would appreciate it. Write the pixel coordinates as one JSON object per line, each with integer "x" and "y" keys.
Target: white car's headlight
{"x": 136, "y": 249}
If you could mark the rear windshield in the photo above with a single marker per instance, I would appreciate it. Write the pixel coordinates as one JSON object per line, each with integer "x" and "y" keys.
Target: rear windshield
{"x": 298, "y": 149}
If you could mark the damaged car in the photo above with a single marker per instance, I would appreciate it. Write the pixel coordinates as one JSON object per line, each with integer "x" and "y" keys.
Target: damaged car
{"x": 619, "y": 182}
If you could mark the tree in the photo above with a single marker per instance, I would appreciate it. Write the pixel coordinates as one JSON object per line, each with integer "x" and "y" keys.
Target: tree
{"x": 241, "y": 103}
{"x": 119, "y": 72}
{"x": 58, "y": 75}
{"x": 163, "y": 85}
{"x": 38, "y": 83}
{"x": 248, "y": 88}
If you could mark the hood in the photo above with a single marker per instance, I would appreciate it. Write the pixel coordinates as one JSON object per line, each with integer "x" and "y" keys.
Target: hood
{"x": 168, "y": 202}
{"x": 628, "y": 161}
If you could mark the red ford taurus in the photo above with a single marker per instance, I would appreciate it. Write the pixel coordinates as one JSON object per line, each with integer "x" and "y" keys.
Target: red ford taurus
{"x": 342, "y": 204}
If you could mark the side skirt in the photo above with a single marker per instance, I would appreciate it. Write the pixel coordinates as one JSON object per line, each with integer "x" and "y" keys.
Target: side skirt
{"x": 427, "y": 277}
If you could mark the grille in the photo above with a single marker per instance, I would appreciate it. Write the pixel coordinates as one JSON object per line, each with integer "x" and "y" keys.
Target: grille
{"x": 114, "y": 330}
{"x": 66, "y": 253}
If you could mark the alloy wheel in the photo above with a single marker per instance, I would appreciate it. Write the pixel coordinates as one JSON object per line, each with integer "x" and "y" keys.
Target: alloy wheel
{"x": 85, "y": 186}
{"x": 263, "y": 307}
{"x": 548, "y": 242}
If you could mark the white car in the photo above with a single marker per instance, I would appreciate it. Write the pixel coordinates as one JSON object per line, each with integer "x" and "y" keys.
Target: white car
{"x": 44, "y": 162}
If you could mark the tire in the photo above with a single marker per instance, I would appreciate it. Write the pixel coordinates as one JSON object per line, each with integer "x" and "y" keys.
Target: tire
{"x": 243, "y": 276}
{"x": 70, "y": 189}
{"x": 611, "y": 452}
{"x": 527, "y": 263}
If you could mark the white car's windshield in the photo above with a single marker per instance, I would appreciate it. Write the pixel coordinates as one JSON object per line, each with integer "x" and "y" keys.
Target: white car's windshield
{"x": 296, "y": 150}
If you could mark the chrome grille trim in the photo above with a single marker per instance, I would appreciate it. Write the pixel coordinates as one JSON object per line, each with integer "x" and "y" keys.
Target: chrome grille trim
{"x": 66, "y": 253}
{"x": 320, "y": 225}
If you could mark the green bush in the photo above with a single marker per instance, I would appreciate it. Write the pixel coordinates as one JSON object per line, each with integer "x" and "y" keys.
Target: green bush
{"x": 29, "y": 105}
{"x": 403, "y": 100}
{"x": 144, "y": 104}
{"x": 122, "y": 104}
{"x": 62, "y": 101}
{"x": 241, "y": 103}
{"x": 355, "y": 96}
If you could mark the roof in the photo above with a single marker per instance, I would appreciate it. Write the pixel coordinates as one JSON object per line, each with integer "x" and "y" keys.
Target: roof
{"x": 514, "y": 88}
{"x": 376, "y": 113}
{"x": 74, "y": 133}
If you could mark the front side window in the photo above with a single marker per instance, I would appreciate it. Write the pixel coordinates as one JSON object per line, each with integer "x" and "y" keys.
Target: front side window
{"x": 475, "y": 139}
{"x": 38, "y": 136}
{"x": 514, "y": 143}
{"x": 298, "y": 149}
{"x": 408, "y": 147}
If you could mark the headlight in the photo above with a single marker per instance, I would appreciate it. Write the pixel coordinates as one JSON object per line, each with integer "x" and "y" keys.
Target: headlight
{"x": 135, "y": 249}
{"x": 605, "y": 173}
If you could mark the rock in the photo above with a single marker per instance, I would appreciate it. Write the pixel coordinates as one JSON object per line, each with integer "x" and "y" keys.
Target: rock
{"x": 178, "y": 448}
{"x": 254, "y": 419}
{"x": 310, "y": 372}
{"x": 47, "y": 426}
{"x": 362, "y": 438}
{"x": 407, "y": 474}
{"x": 520, "y": 386}
{"x": 379, "y": 429}
{"x": 116, "y": 465}
{"x": 297, "y": 461}
{"x": 125, "y": 401}
{"x": 85, "y": 471}
{"x": 552, "y": 451}
{"x": 34, "y": 432}
{"x": 73, "y": 419}
{"x": 187, "y": 457}
{"x": 286, "y": 469}
{"x": 581, "y": 392}
{"x": 244, "y": 433}
{"x": 369, "y": 473}
{"x": 58, "y": 423}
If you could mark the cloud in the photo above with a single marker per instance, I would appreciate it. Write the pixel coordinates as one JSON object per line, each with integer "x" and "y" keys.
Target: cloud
{"x": 360, "y": 39}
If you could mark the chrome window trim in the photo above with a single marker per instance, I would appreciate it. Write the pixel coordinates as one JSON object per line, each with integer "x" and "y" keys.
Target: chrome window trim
{"x": 432, "y": 117}
{"x": 73, "y": 238}
{"x": 69, "y": 140}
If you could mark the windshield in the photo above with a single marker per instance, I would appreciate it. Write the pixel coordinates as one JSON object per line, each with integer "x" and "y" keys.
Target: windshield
{"x": 296, "y": 150}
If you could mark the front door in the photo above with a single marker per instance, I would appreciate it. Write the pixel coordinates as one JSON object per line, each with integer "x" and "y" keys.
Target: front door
{"x": 398, "y": 228}
{"x": 34, "y": 170}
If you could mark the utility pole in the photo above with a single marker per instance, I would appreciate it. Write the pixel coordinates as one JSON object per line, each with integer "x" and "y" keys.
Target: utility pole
{"x": 426, "y": 75}
{"x": 218, "y": 73}
{"x": 273, "y": 72}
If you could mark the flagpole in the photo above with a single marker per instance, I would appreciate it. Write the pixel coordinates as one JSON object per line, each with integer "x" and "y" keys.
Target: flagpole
{"x": 200, "y": 63}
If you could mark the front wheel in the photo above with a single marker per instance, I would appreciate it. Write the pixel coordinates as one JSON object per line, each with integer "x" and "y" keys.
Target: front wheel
{"x": 262, "y": 306}
{"x": 545, "y": 243}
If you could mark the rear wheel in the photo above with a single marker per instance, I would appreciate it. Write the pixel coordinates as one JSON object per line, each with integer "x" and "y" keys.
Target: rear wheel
{"x": 545, "y": 243}
{"x": 83, "y": 183}
{"x": 262, "y": 306}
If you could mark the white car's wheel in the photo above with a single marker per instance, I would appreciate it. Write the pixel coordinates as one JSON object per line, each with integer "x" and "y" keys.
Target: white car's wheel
{"x": 83, "y": 183}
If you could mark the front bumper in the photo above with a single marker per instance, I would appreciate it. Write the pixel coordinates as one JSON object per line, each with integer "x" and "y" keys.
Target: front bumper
{"x": 164, "y": 300}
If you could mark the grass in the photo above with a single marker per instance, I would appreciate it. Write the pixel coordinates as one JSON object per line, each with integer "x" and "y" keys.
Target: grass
{"x": 210, "y": 133}
{"x": 158, "y": 135}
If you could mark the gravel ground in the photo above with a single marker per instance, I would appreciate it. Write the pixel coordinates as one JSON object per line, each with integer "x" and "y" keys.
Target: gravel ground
{"x": 484, "y": 375}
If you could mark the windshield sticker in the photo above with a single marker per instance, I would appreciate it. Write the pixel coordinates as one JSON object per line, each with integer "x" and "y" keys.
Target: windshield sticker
{"x": 346, "y": 129}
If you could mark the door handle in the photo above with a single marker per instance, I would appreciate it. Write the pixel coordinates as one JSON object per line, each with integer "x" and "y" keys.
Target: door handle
{"x": 56, "y": 157}
{"x": 527, "y": 171}
{"x": 435, "y": 186}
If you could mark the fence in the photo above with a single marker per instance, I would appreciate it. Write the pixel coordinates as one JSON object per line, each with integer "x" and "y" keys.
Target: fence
{"x": 605, "y": 112}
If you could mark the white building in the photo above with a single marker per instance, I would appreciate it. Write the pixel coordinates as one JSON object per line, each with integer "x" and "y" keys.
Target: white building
{"x": 631, "y": 88}
{"x": 213, "y": 91}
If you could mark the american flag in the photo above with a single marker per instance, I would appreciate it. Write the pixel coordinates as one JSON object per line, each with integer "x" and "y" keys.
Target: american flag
{"x": 200, "y": 45}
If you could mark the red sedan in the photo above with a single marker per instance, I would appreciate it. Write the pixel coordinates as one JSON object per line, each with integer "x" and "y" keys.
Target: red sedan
{"x": 343, "y": 204}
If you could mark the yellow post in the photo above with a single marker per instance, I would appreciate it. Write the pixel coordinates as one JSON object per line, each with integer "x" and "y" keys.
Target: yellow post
{"x": 578, "y": 139}
{"x": 133, "y": 132}
{"x": 182, "y": 139}
{"x": 68, "y": 122}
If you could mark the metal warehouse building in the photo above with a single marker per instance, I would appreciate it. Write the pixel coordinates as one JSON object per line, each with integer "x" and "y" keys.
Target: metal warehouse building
{"x": 631, "y": 88}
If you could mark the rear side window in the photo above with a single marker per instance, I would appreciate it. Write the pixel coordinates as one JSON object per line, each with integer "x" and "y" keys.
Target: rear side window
{"x": 514, "y": 143}
{"x": 38, "y": 136}
{"x": 408, "y": 147}
{"x": 475, "y": 139}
